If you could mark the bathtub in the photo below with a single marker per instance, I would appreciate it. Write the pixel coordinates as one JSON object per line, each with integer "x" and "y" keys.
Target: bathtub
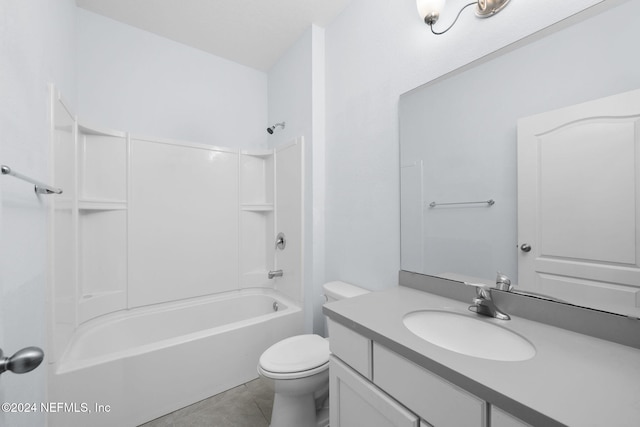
{"x": 130, "y": 367}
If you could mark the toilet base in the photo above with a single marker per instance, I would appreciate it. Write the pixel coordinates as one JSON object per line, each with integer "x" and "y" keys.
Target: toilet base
{"x": 322, "y": 417}
{"x": 298, "y": 411}
{"x": 299, "y": 402}
{"x": 293, "y": 411}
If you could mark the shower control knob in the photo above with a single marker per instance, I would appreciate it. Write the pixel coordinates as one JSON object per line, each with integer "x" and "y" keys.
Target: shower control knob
{"x": 525, "y": 247}
{"x": 281, "y": 241}
{"x": 23, "y": 361}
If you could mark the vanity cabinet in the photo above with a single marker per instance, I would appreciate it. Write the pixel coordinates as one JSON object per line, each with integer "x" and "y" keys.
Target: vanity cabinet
{"x": 374, "y": 386}
{"x": 357, "y": 402}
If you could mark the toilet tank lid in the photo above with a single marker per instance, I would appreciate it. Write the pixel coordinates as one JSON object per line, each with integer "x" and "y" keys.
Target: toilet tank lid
{"x": 339, "y": 290}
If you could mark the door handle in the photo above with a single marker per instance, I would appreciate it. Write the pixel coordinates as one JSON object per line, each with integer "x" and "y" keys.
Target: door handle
{"x": 25, "y": 360}
{"x": 525, "y": 247}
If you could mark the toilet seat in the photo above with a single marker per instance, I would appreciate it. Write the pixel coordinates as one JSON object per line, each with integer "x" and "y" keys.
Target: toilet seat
{"x": 295, "y": 357}
{"x": 292, "y": 375}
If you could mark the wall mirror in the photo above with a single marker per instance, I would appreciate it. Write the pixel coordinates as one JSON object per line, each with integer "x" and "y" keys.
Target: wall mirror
{"x": 458, "y": 156}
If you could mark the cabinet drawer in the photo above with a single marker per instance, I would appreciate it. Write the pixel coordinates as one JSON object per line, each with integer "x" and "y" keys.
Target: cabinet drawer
{"x": 499, "y": 418}
{"x": 357, "y": 402}
{"x": 351, "y": 347}
{"x": 437, "y": 401}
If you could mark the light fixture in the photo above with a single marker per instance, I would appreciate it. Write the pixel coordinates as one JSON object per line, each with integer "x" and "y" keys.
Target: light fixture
{"x": 429, "y": 10}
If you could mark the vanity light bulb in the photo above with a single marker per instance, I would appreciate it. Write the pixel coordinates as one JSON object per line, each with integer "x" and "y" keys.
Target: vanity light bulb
{"x": 429, "y": 10}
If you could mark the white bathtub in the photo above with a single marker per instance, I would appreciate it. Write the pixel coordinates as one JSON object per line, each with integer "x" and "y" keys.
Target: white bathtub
{"x": 150, "y": 361}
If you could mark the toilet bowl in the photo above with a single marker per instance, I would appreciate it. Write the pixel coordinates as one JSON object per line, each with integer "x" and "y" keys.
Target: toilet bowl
{"x": 297, "y": 370}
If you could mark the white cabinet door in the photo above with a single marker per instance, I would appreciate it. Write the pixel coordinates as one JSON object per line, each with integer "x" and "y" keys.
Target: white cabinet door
{"x": 355, "y": 402}
{"x": 579, "y": 203}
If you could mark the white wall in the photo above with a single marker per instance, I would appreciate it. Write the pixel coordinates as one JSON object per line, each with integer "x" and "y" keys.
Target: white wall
{"x": 289, "y": 93}
{"x": 37, "y": 46}
{"x": 375, "y": 51}
{"x": 132, "y": 80}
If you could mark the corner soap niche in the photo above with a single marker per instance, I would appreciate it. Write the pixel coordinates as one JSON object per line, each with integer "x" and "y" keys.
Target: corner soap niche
{"x": 102, "y": 159}
{"x": 257, "y": 217}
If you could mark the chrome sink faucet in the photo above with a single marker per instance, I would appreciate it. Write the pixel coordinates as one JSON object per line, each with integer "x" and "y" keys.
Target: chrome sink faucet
{"x": 484, "y": 304}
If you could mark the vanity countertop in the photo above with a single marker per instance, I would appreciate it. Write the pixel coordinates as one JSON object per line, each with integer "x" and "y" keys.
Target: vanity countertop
{"x": 574, "y": 379}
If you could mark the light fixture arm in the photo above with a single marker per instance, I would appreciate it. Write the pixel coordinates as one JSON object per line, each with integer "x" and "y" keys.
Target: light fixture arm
{"x": 431, "y": 22}
{"x": 487, "y": 8}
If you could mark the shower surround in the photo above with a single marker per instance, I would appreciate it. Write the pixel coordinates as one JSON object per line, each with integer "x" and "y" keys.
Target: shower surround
{"x": 159, "y": 268}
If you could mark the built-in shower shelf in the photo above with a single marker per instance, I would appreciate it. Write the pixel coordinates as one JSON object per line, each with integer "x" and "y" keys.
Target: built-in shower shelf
{"x": 101, "y": 205}
{"x": 258, "y": 207}
{"x": 257, "y": 153}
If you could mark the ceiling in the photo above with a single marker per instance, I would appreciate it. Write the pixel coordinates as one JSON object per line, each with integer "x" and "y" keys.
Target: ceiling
{"x": 250, "y": 32}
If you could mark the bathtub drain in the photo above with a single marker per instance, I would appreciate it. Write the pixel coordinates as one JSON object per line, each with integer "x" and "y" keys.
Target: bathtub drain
{"x": 275, "y": 306}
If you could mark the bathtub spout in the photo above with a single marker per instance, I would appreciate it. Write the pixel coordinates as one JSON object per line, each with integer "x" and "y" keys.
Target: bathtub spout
{"x": 274, "y": 273}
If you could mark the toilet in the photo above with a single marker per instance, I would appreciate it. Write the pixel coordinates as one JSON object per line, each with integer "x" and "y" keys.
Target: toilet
{"x": 297, "y": 369}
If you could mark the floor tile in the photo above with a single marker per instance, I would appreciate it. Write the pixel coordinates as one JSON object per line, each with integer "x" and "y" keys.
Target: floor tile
{"x": 248, "y": 405}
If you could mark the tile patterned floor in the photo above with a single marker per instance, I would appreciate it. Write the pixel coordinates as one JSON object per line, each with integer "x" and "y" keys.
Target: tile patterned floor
{"x": 248, "y": 405}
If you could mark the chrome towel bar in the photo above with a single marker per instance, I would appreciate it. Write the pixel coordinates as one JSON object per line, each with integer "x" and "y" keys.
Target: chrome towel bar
{"x": 40, "y": 188}
{"x": 489, "y": 202}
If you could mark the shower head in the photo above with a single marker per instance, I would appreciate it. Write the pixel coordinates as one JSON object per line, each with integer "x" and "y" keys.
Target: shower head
{"x": 274, "y": 127}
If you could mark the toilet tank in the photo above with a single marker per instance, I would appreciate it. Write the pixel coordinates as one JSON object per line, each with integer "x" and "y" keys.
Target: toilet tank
{"x": 338, "y": 290}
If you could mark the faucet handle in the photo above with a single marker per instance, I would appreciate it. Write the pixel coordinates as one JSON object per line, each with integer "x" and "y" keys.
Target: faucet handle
{"x": 482, "y": 290}
{"x": 503, "y": 282}
{"x": 483, "y": 302}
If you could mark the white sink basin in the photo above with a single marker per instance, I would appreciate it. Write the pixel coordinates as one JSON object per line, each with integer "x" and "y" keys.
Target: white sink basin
{"x": 470, "y": 335}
